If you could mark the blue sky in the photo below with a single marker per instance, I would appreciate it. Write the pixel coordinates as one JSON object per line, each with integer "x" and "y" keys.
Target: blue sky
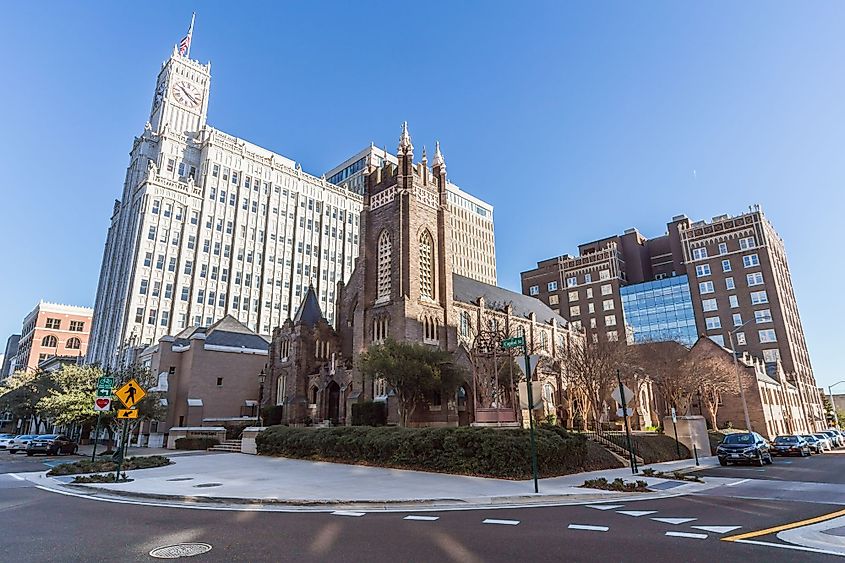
{"x": 575, "y": 120}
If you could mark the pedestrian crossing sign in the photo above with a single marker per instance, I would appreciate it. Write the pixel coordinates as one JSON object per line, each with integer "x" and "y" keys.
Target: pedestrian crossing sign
{"x": 130, "y": 394}
{"x": 127, "y": 413}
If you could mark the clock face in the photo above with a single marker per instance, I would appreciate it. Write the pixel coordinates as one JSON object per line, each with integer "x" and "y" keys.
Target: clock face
{"x": 187, "y": 94}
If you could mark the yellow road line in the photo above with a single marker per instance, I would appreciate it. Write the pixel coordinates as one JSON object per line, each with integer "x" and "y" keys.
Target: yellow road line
{"x": 783, "y": 527}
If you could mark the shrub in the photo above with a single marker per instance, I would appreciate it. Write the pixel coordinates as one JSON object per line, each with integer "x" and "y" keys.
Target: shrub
{"x": 502, "y": 453}
{"x": 196, "y": 443}
{"x": 107, "y": 478}
{"x": 104, "y": 466}
{"x": 618, "y": 484}
{"x": 369, "y": 413}
{"x": 271, "y": 415}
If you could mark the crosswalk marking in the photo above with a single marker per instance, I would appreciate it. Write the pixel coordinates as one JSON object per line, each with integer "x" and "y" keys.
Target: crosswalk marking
{"x": 605, "y": 506}
{"x": 718, "y": 529}
{"x": 422, "y": 518}
{"x": 674, "y": 521}
{"x": 588, "y": 527}
{"x": 347, "y": 513}
{"x": 687, "y": 535}
{"x": 505, "y": 522}
{"x": 636, "y": 513}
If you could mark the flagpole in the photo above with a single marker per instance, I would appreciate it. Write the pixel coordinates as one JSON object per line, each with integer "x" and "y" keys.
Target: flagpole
{"x": 190, "y": 35}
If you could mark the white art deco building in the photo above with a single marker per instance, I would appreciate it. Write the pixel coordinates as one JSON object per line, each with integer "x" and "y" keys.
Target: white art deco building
{"x": 209, "y": 224}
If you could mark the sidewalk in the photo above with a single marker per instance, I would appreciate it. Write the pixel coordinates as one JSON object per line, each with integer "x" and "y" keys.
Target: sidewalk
{"x": 247, "y": 479}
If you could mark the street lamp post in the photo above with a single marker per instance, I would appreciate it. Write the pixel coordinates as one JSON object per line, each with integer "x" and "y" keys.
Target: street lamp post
{"x": 832, "y": 403}
{"x": 261, "y": 378}
{"x": 738, "y": 378}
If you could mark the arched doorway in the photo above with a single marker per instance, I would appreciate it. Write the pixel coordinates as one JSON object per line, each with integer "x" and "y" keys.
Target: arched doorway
{"x": 333, "y": 413}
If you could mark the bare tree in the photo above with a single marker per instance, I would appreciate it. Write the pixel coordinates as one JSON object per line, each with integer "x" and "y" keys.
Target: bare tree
{"x": 664, "y": 363}
{"x": 716, "y": 376}
{"x": 591, "y": 370}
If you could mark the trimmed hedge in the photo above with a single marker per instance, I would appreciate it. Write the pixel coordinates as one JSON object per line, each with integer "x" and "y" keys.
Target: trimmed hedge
{"x": 195, "y": 443}
{"x": 487, "y": 452}
{"x": 369, "y": 413}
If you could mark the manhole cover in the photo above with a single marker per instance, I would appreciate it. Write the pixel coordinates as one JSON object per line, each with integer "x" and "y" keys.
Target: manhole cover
{"x": 180, "y": 550}
{"x": 208, "y": 485}
{"x": 181, "y": 479}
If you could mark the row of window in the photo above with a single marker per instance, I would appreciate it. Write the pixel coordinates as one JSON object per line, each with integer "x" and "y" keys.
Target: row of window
{"x": 607, "y": 305}
{"x": 748, "y": 261}
{"x": 56, "y": 324}
{"x": 751, "y": 280}
{"x": 51, "y": 341}
{"x": 746, "y": 243}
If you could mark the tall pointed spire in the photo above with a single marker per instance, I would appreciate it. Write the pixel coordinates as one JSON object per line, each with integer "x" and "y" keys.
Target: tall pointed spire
{"x": 405, "y": 140}
{"x": 438, "y": 156}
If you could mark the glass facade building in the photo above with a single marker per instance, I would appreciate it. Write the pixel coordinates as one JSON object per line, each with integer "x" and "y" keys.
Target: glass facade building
{"x": 659, "y": 310}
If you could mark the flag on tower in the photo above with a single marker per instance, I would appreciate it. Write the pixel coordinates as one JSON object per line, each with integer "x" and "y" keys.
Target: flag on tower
{"x": 185, "y": 44}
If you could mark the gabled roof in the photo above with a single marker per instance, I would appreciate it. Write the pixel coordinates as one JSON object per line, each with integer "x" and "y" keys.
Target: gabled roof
{"x": 467, "y": 290}
{"x": 309, "y": 312}
{"x": 228, "y": 331}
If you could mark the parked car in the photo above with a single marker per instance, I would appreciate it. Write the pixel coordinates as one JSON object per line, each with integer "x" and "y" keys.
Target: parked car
{"x": 744, "y": 447}
{"x": 791, "y": 444}
{"x": 19, "y": 443}
{"x": 827, "y": 444}
{"x": 835, "y": 439}
{"x": 5, "y": 439}
{"x": 51, "y": 444}
{"x": 817, "y": 445}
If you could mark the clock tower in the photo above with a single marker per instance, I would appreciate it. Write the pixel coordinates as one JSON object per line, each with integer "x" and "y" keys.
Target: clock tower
{"x": 180, "y": 101}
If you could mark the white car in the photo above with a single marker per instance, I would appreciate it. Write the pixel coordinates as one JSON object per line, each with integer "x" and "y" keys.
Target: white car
{"x": 834, "y": 437}
{"x": 5, "y": 439}
{"x": 19, "y": 443}
{"x": 824, "y": 441}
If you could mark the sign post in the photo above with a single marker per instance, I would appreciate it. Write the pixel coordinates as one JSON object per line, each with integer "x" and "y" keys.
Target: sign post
{"x": 675, "y": 426}
{"x": 101, "y": 404}
{"x": 130, "y": 394}
{"x": 515, "y": 342}
{"x": 624, "y": 400}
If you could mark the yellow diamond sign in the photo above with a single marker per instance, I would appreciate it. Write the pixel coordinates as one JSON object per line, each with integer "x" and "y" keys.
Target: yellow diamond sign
{"x": 130, "y": 394}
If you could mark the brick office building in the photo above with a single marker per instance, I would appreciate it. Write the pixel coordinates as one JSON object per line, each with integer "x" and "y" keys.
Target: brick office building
{"x": 52, "y": 329}
{"x": 727, "y": 278}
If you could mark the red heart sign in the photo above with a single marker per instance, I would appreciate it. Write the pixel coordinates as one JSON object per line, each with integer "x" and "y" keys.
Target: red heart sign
{"x": 103, "y": 403}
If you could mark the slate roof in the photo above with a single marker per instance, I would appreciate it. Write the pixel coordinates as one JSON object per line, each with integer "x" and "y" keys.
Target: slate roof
{"x": 309, "y": 312}
{"x": 228, "y": 331}
{"x": 466, "y": 290}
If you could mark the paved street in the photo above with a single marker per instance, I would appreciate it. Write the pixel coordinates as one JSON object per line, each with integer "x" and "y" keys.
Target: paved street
{"x": 688, "y": 528}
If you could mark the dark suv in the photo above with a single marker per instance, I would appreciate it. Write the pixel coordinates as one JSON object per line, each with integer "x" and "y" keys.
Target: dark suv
{"x": 51, "y": 444}
{"x": 791, "y": 444}
{"x": 744, "y": 447}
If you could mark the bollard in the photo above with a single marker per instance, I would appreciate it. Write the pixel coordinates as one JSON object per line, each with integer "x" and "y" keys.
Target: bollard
{"x": 695, "y": 451}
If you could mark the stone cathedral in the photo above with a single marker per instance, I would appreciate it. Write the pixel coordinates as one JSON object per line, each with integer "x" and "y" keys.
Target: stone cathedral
{"x": 403, "y": 287}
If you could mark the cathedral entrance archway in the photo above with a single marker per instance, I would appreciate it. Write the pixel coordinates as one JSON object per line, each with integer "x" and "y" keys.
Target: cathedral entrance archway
{"x": 333, "y": 390}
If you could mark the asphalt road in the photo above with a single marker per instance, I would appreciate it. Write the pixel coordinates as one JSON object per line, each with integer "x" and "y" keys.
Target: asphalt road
{"x": 823, "y": 468}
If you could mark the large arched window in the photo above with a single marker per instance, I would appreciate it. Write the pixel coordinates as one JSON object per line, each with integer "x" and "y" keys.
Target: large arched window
{"x": 384, "y": 250}
{"x": 73, "y": 344}
{"x": 426, "y": 265}
{"x": 49, "y": 341}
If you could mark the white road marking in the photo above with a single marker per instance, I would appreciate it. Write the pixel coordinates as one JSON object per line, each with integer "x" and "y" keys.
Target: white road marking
{"x": 786, "y": 546}
{"x": 636, "y": 513}
{"x": 18, "y": 477}
{"x": 347, "y": 513}
{"x": 588, "y": 528}
{"x": 735, "y": 483}
{"x": 674, "y": 521}
{"x": 687, "y": 535}
{"x": 605, "y": 506}
{"x": 505, "y": 522}
{"x": 422, "y": 518}
{"x": 718, "y": 529}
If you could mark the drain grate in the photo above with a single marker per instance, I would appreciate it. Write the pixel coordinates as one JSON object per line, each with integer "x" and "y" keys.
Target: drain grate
{"x": 181, "y": 479}
{"x": 201, "y": 485}
{"x": 180, "y": 550}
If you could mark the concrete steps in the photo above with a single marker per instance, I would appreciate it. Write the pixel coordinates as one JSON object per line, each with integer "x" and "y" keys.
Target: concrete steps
{"x": 227, "y": 446}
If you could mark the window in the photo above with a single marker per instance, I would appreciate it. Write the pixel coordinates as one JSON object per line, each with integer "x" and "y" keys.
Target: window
{"x": 754, "y": 279}
{"x": 148, "y": 259}
{"x": 144, "y": 285}
{"x": 718, "y": 339}
{"x": 156, "y": 206}
{"x": 589, "y": 293}
{"x": 139, "y": 315}
{"x": 171, "y": 266}
{"x": 534, "y": 290}
{"x": 737, "y": 319}
{"x": 184, "y": 294}
{"x": 612, "y": 336}
{"x": 747, "y": 243}
{"x": 723, "y": 248}
{"x": 750, "y": 260}
{"x": 153, "y": 316}
{"x": 607, "y": 304}
{"x": 220, "y": 382}
{"x": 465, "y": 324}
{"x": 189, "y": 267}
{"x": 767, "y": 335}
{"x": 699, "y": 253}
{"x": 734, "y": 302}
{"x": 591, "y": 308}
{"x": 552, "y": 286}
{"x": 771, "y": 356}
{"x": 593, "y": 324}
{"x": 740, "y": 339}
{"x": 604, "y": 275}
{"x": 713, "y": 323}
{"x": 709, "y": 305}
{"x": 729, "y": 283}
{"x": 575, "y": 311}
{"x": 573, "y": 296}
{"x": 606, "y": 289}
{"x": 54, "y": 323}
{"x": 49, "y": 341}
{"x": 165, "y": 318}
{"x": 571, "y": 282}
{"x": 588, "y": 278}
{"x": 763, "y": 316}
{"x": 610, "y": 320}
{"x": 553, "y": 300}
{"x": 77, "y": 326}
{"x": 726, "y": 265}
{"x": 705, "y": 287}
{"x": 426, "y": 265}
{"x": 759, "y": 297}
{"x": 702, "y": 270}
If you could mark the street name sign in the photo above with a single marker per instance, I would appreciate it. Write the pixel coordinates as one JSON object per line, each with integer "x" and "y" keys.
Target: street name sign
{"x": 130, "y": 393}
{"x": 127, "y": 413}
{"x": 102, "y": 404}
{"x": 513, "y": 342}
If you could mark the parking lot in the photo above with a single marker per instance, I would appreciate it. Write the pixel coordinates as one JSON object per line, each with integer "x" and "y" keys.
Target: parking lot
{"x": 823, "y": 468}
